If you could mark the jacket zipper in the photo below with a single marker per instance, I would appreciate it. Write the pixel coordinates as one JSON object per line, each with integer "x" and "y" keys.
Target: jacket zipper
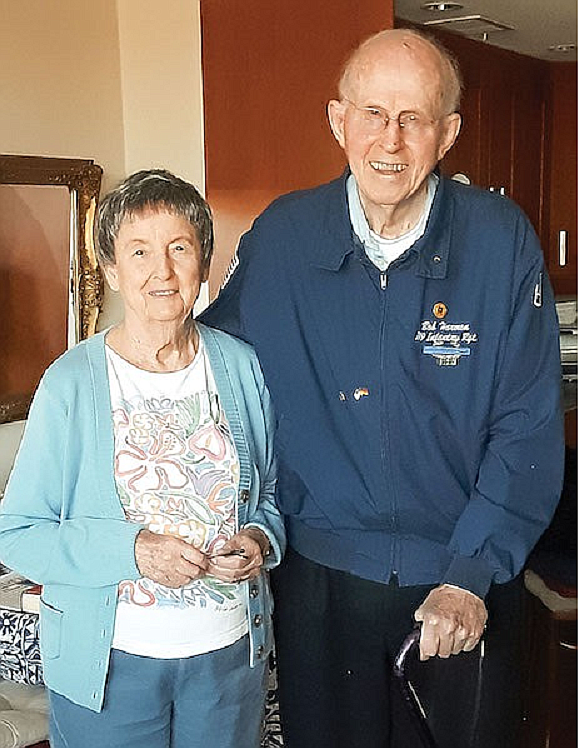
{"x": 383, "y": 281}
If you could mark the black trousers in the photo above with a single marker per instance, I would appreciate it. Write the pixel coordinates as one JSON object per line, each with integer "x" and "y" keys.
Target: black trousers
{"x": 336, "y": 638}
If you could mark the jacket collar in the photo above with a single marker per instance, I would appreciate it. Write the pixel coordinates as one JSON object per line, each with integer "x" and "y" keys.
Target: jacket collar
{"x": 335, "y": 223}
{"x": 432, "y": 249}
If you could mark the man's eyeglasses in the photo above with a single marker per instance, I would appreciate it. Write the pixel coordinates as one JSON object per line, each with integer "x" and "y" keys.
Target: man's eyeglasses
{"x": 374, "y": 120}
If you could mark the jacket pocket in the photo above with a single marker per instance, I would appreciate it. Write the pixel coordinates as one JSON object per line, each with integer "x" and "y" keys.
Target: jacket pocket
{"x": 50, "y": 630}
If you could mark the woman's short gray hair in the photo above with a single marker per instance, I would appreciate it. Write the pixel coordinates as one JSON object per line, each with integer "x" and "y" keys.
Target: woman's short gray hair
{"x": 152, "y": 189}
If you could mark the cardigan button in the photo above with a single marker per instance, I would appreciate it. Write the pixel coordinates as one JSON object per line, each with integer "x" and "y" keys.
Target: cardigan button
{"x": 258, "y": 620}
{"x": 254, "y": 591}
{"x": 259, "y": 652}
{"x": 244, "y": 495}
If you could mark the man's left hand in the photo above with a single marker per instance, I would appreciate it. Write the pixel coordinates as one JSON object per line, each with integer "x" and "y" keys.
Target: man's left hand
{"x": 453, "y": 621}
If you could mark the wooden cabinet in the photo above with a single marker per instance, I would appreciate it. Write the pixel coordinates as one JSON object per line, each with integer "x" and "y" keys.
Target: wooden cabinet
{"x": 519, "y": 138}
{"x": 528, "y": 185}
{"x": 550, "y": 674}
{"x": 502, "y": 145}
{"x": 561, "y": 138}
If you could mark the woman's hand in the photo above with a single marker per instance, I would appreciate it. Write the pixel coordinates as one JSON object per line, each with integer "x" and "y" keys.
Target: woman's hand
{"x": 241, "y": 557}
{"x": 168, "y": 560}
{"x": 453, "y": 621}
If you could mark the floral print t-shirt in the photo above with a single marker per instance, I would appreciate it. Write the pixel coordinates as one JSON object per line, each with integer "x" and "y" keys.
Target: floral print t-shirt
{"x": 177, "y": 473}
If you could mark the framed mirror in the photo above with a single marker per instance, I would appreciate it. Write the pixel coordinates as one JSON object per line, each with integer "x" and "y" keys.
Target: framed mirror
{"x": 50, "y": 284}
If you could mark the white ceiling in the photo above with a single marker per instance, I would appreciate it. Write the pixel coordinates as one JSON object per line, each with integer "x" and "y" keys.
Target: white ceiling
{"x": 538, "y": 24}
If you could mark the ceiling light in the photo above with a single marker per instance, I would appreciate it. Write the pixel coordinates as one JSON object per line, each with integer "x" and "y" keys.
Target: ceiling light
{"x": 441, "y": 6}
{"x": 474, "y": 26}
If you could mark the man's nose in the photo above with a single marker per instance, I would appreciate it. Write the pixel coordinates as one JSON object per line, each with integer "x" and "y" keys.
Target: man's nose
{"x": 391, "y": 134}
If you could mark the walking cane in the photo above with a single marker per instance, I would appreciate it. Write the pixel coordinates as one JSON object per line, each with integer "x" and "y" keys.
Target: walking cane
{"x": 408, "y": 691}
{"x": 417, "y": 712}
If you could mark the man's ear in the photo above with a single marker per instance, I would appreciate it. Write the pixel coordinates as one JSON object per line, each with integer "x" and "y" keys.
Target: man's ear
{"x": 336, "y": 115}
{"x": 452, "y": 126}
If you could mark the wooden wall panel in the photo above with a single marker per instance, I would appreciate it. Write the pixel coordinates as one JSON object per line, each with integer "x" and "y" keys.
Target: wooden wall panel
{"x": 269, "y": 68}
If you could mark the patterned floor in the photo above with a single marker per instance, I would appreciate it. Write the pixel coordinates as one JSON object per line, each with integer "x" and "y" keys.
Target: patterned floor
{"x": 272, "y": 737}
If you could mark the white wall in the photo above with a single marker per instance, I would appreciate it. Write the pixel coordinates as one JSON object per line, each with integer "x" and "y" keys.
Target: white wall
{"x": 118, "y": 81}
{"x": 60, "y": 82}
{"x": 160, "y": 58}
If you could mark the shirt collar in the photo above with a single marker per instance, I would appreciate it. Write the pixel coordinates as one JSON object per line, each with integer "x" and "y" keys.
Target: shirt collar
{"x": 432, "y": 248}
{"x": 379, "y": 250}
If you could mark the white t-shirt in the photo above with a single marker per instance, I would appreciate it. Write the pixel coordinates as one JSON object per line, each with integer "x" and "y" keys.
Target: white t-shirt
{"x": 177, "y": 472}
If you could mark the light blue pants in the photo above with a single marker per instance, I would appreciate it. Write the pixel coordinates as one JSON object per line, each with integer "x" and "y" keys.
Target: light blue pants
{"x": 213, "y": 700}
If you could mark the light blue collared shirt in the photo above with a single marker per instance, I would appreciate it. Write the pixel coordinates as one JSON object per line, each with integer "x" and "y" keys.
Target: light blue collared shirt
{"x": 382, "y": 252}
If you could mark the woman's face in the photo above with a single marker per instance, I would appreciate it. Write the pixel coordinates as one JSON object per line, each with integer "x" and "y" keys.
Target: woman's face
{"x": 157, "y": 269}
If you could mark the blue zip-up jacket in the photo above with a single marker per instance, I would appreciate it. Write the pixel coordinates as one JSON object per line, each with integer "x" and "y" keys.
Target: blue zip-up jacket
{"x": 419, "y": 426}
{"x": 62, "y": 522}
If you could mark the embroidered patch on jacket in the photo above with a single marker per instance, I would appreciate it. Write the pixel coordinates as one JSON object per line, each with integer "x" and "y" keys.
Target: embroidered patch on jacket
{"x": 446, "y": 342}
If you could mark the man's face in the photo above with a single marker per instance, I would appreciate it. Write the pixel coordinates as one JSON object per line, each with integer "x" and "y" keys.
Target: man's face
{"x": 391, "y": 163}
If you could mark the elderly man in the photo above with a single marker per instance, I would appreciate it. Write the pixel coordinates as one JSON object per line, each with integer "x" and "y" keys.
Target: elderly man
{"x": 407, "y": 332}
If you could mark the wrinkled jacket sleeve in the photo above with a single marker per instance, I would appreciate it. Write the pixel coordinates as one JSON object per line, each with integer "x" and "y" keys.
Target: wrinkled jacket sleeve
{"x": 267, "y": 516}
{"x": 46, "y": 531}
{"x": 225, "y": 312}
{"x": 520, "y": 475}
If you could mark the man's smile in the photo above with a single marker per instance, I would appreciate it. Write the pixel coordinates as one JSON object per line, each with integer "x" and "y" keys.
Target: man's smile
{"x": 383, "y": 167}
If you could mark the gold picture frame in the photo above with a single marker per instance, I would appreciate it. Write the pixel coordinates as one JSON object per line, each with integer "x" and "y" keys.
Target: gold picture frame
{"x": 39, "y": 263}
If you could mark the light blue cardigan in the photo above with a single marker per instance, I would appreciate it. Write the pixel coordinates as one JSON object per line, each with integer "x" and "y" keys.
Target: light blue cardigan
{"x": 62, "y": 523}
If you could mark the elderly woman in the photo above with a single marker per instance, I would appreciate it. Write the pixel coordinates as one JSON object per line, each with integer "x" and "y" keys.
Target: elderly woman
{"x": 142, "y": 498}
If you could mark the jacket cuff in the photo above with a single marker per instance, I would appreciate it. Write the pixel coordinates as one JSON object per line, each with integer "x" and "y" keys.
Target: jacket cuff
{"x": 273, "y": 557}
{"x": 472, "y": 574}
